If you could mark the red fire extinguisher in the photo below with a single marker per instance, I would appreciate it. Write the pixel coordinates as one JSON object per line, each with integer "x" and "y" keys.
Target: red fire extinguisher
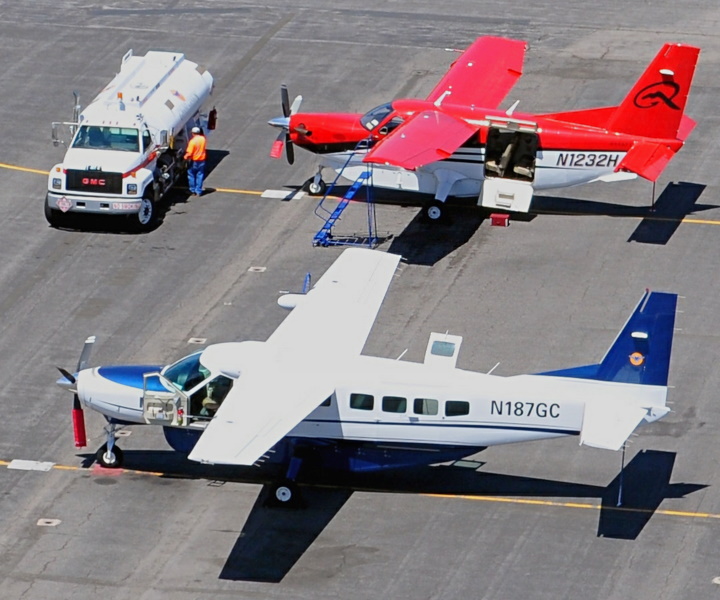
{"x": 212, "y": 119}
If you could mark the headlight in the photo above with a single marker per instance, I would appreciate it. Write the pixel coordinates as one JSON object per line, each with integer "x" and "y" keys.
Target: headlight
{"x": 132, "y": 189}
{"x": 56, "y": 183}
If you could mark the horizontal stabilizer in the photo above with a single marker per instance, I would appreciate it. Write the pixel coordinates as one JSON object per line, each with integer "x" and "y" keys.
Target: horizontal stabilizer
{"x": 608, "y": 424}
{"x": 647, "y": 159}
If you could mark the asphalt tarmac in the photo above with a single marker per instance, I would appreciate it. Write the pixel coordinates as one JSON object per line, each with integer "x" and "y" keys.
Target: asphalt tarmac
{"x": 533, "y": 521}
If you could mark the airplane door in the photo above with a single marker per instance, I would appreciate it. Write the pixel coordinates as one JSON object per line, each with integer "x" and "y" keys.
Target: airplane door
{"x": 162, "y": 407}
{"x": 510, "y": 155}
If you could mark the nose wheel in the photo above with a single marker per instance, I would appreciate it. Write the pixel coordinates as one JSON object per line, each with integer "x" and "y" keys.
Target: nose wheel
{"x": 109, "y": 459}
{"x": 109, "y": 455}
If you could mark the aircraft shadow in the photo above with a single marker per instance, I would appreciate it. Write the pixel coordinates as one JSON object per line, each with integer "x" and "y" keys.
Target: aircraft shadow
{"x": 659, "y": 222}
{"x": 423, "y": 243}
{"x": 273, "y": 539}
{"x": 646, "y": 485}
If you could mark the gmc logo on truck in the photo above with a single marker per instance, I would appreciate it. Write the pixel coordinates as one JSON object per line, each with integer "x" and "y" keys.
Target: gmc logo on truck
{"x": 93, "y": 181}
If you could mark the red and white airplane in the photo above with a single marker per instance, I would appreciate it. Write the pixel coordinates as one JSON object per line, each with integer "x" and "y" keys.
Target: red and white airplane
{"x": 457, "y": 143}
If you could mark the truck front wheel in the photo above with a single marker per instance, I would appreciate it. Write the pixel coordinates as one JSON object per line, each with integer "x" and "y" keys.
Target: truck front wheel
{"x": 55, "y": 218}
{"x": 147, "y": 215}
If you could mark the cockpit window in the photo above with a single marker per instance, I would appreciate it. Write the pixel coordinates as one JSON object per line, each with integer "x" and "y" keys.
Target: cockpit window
{"x": 187, "y": 373}
{"x": 124, "y": 139}
{"x": 373, "y": 118}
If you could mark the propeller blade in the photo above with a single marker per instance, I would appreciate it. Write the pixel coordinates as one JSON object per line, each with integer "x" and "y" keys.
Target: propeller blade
{"x": 285, "y": 100}
{"x": 85, "y": 354}
{"x": 296, "y": 105}
{"x": 78, "y": 417}
{"x": 67, "y": 375}
{"x": 277, "y": 147}
{"x": 289, "y": 151}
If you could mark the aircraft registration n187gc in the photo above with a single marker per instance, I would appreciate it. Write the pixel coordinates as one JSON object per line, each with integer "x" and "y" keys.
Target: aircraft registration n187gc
{"x": 457, "y": 143}
{"x": 304, "y": 403}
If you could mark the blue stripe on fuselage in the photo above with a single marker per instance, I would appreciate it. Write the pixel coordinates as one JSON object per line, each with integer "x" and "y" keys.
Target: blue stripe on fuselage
{"x": 132, "y": 376}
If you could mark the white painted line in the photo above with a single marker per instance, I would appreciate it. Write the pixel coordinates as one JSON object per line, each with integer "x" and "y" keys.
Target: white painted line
{"x": 197, "y": 340}
{"x": 283, "y": 194}
{"x": 48, "y": 522}
{"x": 257, "y": 269}
{"x": 716, "y": 580}
{"x": 30, "y": 465}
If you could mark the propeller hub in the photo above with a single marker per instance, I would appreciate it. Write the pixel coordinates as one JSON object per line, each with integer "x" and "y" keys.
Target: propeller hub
{"x": 280, "y": 123}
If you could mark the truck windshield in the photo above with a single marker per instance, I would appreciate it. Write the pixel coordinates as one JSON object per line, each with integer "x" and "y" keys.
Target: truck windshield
{"x": 186, "y": 373}
{"x": 124, "y": 139}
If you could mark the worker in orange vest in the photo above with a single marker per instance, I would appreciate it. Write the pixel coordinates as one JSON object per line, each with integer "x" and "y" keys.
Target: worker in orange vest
{"x": 196, "y": 154}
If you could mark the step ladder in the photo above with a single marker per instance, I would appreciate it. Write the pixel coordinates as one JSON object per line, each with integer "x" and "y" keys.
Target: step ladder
{"x": 325, "y": 236}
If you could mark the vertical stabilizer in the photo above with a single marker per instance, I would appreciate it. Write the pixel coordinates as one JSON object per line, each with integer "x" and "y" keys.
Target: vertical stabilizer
{"x": 641, "y": 352}
{"x": 656, "y": 104}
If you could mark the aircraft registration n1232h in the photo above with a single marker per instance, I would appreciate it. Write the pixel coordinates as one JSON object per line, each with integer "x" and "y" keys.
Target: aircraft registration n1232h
{"x": 457, "y": 143}
{"x": 311, "y": 405}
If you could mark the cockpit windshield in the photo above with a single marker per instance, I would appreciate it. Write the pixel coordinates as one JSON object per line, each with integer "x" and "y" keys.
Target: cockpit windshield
{"x": 123, "y": 139}
{"x": 186, "y": 373}
{"x": 377, "y": 115}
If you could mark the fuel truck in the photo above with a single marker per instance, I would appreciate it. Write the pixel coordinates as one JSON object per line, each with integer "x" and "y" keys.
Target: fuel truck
{"x": 126, "y": 147}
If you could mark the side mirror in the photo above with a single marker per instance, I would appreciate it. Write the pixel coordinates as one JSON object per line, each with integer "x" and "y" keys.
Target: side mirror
{"x": 164, "y": 138}
{"x": 55, "y": 138}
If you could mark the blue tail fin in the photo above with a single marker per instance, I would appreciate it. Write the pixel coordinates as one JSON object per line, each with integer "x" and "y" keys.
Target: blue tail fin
{"x": 641, "y": 351}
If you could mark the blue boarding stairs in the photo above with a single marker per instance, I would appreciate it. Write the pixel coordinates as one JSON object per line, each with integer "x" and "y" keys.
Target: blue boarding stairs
{"x": 325, "y": 236}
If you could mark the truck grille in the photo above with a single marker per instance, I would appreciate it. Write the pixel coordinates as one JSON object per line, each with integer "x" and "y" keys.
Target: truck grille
{"x": 94, "y": 181}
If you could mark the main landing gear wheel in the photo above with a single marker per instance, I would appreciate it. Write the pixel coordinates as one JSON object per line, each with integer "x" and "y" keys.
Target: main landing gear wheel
{"x": 109, "y": 460}
{"x": 316, "y": 188}
{"x": 284, "y": 494}
{"x": 434, "y": 212}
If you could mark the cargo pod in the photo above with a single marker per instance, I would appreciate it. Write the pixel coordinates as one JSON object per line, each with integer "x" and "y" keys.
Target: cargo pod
{"x": 510, "y": 154}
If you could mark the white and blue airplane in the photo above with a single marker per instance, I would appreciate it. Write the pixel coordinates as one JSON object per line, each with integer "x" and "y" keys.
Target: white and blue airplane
{"x": 300, "y": 400}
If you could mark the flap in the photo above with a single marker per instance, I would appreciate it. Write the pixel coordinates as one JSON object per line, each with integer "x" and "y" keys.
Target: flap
{"x": 608, "y": 424}
{"x": 647, "y": 159}
{"x": 428, "y": 137}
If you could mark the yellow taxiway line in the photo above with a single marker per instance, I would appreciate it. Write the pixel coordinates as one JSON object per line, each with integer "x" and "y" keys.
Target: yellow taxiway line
{"x": 99, "y": 471}
{"x": 260, "y": 193}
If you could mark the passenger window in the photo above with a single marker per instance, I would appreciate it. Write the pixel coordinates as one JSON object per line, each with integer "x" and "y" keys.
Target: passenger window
{"x": 394, "y": 404}
{"x": 361, "y": 401}
{"x": 457, "y": 408}
{"x": 425, "y": 406}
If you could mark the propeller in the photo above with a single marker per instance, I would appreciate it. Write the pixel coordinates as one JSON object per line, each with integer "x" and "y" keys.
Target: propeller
{"x": 71, "y": 384}
{"x": 283, "y": 123}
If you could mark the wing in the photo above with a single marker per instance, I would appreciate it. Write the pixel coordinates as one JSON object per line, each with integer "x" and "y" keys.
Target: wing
{"x": 336, "y": 315}
{"x": 429, "y": 136}
{"x": 483, "y": 75}
{"x": 288, "y": 376}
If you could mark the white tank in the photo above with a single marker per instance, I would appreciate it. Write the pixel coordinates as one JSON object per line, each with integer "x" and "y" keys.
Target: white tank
{"x": 161, "y": 89}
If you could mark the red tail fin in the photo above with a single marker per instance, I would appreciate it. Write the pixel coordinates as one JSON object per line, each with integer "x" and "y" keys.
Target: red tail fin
{"x": 655, "y": 105}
